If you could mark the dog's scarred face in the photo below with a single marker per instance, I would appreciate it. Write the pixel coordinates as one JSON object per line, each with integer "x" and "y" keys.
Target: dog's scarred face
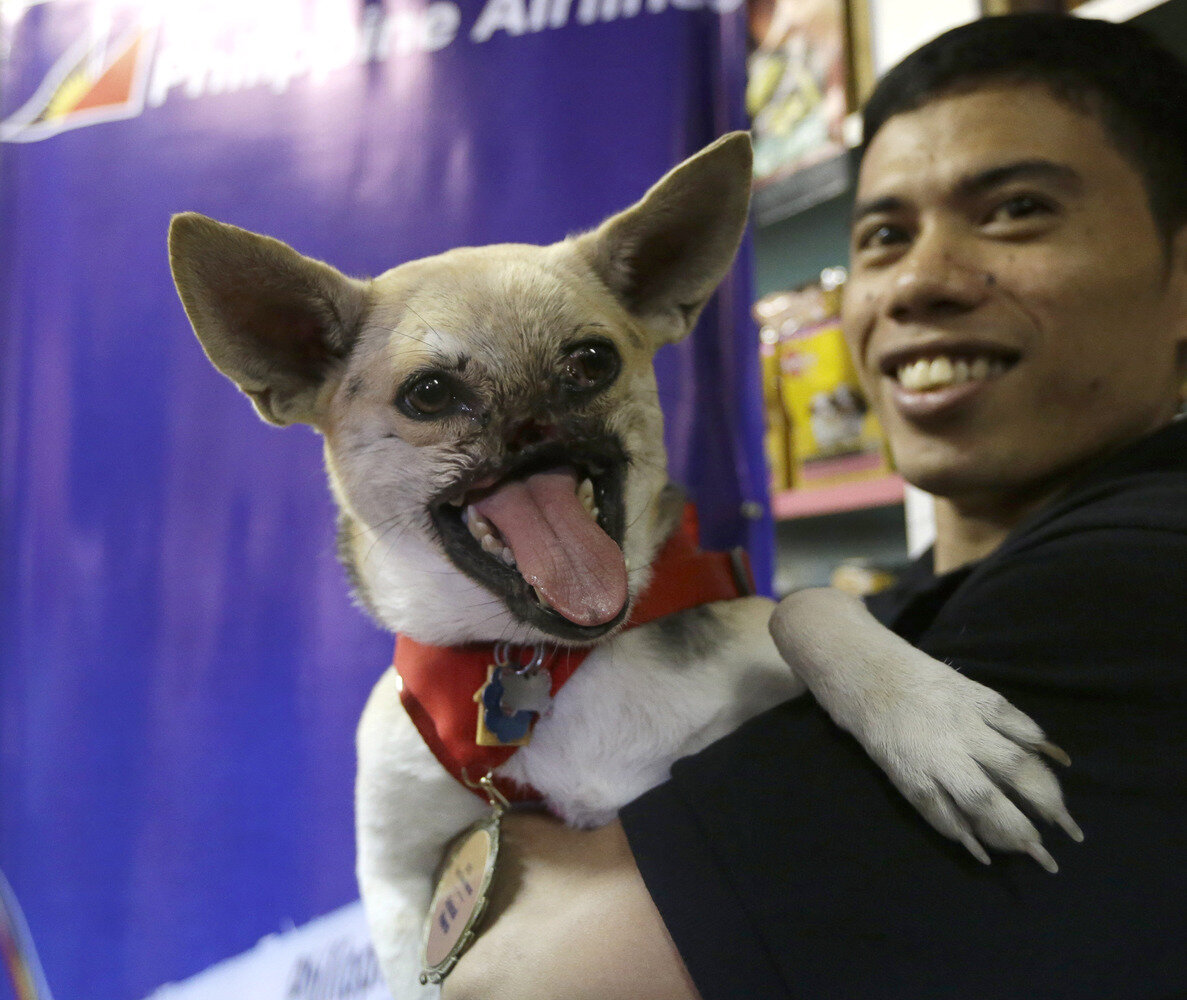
{"x": 492, "y": 431}
{"x": 538, "y": 517}
{"x": 502, "y": 428}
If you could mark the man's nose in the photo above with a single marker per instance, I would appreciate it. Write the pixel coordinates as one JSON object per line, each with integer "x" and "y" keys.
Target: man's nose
{"x": 937, "y": 278}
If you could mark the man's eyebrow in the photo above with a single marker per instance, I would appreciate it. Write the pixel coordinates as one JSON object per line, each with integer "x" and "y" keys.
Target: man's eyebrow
{"x": 1020, "y": 170}
{"x": 876, "y": 206}
{"x": 980, "y": 182}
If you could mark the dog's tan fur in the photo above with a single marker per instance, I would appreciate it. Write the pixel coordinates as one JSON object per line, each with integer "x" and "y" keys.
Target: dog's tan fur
{"x": 500, "y": 325}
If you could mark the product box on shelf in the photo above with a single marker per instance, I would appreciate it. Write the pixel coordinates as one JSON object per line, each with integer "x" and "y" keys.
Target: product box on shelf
{"x": 820, "y": 430}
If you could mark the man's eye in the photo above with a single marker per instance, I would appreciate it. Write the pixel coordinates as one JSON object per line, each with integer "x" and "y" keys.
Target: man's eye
{"x": 428, "y": 395}
{"x": 1022, "y": 206}
{"x": 883, "y": 235}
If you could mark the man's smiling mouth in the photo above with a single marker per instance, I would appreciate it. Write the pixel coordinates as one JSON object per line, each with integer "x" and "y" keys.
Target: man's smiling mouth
{"x": 921, "y": 368}
{"x": 942, "y": 371}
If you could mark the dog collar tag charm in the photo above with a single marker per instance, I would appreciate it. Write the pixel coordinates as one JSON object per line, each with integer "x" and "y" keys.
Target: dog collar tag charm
{"x": 499, "y": 726}
{"x": 526, "y": 692}
{"x": 514, "y": 696}
{"x": 462, "y": 893}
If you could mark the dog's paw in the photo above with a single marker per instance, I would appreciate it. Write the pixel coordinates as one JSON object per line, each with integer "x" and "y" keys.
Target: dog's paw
{"x": 961, "y": 754}
{"x": 971, "y": 763}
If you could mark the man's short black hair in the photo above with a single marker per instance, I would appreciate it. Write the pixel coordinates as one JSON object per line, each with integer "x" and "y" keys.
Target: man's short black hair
{"x": 1136, "y": 88}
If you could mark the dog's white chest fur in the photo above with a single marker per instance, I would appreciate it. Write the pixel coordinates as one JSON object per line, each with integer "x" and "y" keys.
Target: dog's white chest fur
{"x": 642, "y": 700}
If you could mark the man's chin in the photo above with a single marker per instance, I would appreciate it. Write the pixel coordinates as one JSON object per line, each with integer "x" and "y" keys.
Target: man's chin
{"x": 996, "y": 493}
{"x": 946, "y": 471}
{"x": 961, "y": 475}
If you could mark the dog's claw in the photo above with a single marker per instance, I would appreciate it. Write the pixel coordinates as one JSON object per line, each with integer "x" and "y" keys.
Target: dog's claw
{"x": 1069, "y": 826}
{"x": 1039, "y": 853}
{"x": 975, "y": 849}
{"x": 1057, "y": 754}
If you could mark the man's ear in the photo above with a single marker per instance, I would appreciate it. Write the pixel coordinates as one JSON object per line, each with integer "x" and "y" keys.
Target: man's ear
{"x": 274, "y": 322}
{"x": 664, "y": 256}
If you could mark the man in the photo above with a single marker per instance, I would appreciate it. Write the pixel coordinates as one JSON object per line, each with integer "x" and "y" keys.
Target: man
{"x": 1018, "y": 307}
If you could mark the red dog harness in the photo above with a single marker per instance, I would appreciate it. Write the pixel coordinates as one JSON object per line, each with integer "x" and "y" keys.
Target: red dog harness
{"x": 440, "y": 684}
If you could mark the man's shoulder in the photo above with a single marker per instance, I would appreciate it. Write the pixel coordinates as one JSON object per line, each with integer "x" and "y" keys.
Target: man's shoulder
{"x": 1084, "y": 577}
{"x": 1142, "y": 487}
{"x": 1121, "y": 529}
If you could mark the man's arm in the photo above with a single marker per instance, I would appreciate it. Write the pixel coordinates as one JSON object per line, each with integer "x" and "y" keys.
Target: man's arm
{"x": 570, "y": 917}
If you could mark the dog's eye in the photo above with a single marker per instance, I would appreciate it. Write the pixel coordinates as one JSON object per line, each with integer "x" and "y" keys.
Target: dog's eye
{"x": 428, "y": 395}
{"x": 590, "y": 366}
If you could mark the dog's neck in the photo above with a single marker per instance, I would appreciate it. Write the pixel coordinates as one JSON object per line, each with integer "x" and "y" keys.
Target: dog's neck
{"x": 439, "y": 683}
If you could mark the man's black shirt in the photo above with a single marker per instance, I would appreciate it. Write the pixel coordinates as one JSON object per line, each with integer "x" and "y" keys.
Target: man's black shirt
{"x": 785, "y": 864}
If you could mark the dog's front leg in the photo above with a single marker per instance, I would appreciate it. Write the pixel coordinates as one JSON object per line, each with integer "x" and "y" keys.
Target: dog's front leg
{"x": 406, "y": 809}
{"x": 949, "y": 744}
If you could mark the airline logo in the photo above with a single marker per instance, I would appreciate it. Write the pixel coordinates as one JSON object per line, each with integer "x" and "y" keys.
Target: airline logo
{"x": 205, "y": 48}
{"x": 93, "y": 82}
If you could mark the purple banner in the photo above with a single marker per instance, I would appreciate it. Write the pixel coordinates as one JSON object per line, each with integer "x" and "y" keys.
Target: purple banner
{"x": 181, "y": 668}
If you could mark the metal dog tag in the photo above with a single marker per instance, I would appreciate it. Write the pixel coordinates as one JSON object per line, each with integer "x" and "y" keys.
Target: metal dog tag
{"x": 498, "y": 727}
{"x": 526, "y": 692}
{"x": 514, "y": 696}
{"x": 462, "y": 893}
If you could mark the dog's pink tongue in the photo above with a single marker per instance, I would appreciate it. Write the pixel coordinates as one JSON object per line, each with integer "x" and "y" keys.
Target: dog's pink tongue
{"x": 558, "y": 547}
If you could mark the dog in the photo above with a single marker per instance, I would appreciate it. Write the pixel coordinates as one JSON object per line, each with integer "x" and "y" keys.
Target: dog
{"x": 494, "y": 445}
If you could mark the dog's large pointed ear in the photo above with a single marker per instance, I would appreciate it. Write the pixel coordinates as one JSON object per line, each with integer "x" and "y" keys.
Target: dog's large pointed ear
{"x": 664, "y": 256}
{"x": 274, "y": 322}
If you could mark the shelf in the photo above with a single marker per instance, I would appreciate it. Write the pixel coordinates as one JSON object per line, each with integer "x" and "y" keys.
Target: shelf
{"x": 881, "y": 492}
{"x": 781, "y": 198}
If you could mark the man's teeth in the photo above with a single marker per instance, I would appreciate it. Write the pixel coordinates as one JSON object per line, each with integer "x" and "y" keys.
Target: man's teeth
{"x": 943, "y": 371}
{"x": 486, "y": 536}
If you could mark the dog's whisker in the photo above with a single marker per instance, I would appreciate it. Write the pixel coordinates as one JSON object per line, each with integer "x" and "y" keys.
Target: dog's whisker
{"x": 409, "y": 336}
{"x": 436, "y": 333}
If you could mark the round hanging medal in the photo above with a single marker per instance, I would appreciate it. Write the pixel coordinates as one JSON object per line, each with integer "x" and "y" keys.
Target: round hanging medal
{"x": 462, "y": 893}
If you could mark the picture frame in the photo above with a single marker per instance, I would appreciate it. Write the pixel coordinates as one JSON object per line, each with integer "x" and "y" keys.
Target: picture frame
{"x": 992, "y": 7}
{"x": 797, "y": 84}
{"x": 861, "y": 77}
{"x": 810, "y": 66}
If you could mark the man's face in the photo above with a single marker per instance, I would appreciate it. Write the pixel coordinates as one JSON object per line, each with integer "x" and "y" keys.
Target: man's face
{"x": 1010, "y": 305}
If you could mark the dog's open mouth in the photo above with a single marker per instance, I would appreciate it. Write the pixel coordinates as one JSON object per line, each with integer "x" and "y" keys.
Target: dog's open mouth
{"x": 545, "y": 535}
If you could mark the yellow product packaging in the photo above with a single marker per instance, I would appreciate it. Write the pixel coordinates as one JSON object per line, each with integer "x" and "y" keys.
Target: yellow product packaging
{"x": 771, "y": 312}
{"x": 835, "y": 436}
{"x": 777, "y": 426}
